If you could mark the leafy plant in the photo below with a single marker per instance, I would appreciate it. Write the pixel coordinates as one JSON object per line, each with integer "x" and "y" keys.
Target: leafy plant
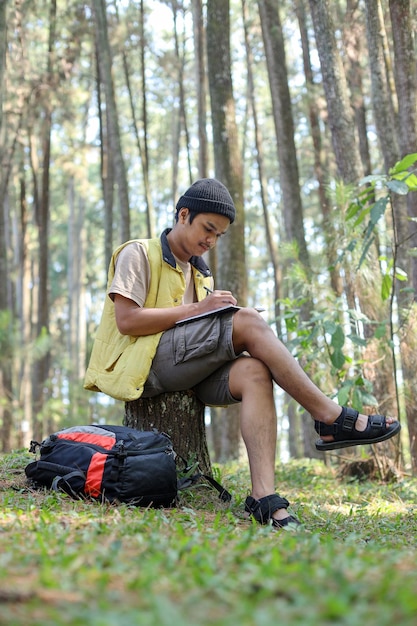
{"x": 339, "y": 335}
{"x": 324, "y": 338}
{"x": 400, "y": 181}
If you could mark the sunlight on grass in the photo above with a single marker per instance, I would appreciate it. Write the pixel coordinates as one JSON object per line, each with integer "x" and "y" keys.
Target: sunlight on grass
{"x": 80, "y": 563}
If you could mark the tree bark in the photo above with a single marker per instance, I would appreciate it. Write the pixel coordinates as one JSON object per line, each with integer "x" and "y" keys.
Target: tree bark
{"x": 335, "y": 87}
{"x": 3, "y": 42}
{"x": 40, "y": 373}
{"x": 24, "y": 313}
{"x": 320, "y": 162}
{"x": 405, "y": 73}
{"x": 292, "y": 208}
{"x": 150, "y": 216}
{"x": 179, "y": 414}
{"x": 5, "y": 336}
{"x": 106, "y": 169}
{"x": 200, "y": 71}
{"x": 271, "y": 236}
{"x": 77, "y": 331}
{"x": 142, "y": 144}
{"x": 354, "y": 42}
{"x": 181, "y": 124}
{"x": 284, "y": 127}
{"x": 230, "y": 271}
{"x": 105, "y": 63}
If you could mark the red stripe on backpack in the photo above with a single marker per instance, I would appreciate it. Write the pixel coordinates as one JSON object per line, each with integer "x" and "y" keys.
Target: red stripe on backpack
{"x": 104, "y": 441}
{"x": 95, "y": 473}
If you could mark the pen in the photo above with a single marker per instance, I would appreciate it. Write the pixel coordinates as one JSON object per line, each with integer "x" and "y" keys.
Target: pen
{"x": 260, "y": 309}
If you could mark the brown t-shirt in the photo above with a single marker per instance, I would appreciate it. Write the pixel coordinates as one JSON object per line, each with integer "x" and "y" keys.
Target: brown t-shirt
{"x": 133, "y": 274}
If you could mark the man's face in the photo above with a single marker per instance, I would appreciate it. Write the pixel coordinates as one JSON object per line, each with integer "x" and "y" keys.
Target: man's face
{"x": 203, "y": 233}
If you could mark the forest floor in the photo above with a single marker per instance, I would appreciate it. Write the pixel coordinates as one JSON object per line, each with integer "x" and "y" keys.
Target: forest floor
{"x": 354, "y": 561}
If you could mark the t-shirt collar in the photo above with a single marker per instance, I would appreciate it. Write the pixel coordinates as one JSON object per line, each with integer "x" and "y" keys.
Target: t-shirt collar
{"x": 196, "y": 261}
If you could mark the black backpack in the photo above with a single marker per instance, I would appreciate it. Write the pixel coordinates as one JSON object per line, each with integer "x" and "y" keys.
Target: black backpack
{"x": 112, "y": 464}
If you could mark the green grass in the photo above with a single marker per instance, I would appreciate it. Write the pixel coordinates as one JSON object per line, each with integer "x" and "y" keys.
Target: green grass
{"x": 81, "y": 563}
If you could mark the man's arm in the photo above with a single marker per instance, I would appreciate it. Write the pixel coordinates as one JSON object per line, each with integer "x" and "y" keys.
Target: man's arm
{"x": 131, "y": 319}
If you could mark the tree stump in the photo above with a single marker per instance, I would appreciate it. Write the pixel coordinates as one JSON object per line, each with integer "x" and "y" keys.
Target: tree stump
{"x": 179, "y": 414}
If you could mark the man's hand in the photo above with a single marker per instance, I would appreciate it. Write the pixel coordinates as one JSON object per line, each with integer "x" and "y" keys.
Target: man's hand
{"x": 217, "y": 299}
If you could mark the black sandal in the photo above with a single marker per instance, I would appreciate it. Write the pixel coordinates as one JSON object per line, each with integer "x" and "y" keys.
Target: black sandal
{"x": 345, "y": 434}
{"x": 263, "y": 509}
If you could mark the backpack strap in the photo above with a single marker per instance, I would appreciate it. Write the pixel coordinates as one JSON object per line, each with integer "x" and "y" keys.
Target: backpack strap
{"x": 62, "y": 483}
{"x": 190, "y": 476}
{"x": 188, "y": 481}
{"x": 224, "y": 495}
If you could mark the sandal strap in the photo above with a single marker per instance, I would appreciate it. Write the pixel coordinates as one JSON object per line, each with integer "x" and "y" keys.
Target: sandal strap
{"x": 377, "y": 421}
{"x": 263, "y": 509}
{"x": 290, "y": 521}
{"x": 344, "y": 423}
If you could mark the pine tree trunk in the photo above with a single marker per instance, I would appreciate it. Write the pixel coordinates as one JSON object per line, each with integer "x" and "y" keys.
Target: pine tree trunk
{"x": 335, "y": 86}
{"x": 105, "y": 65}
{"x": 230, "y": 271}
{"x": 179, "y": 414}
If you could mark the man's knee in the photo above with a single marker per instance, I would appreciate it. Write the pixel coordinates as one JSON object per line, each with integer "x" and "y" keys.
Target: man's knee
{"x": 246, "y": 324}
{"x": 247, "y": 316}
{"x": 248, "y": 371}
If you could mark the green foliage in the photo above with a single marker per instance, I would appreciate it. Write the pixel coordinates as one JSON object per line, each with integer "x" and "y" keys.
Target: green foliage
{"x": 84, "y": 564}
{"x": 400, "y": 181}
{"x": 324, "y": 338}
{"x": 333, "y": 334}
{"x": 401, "y": 172}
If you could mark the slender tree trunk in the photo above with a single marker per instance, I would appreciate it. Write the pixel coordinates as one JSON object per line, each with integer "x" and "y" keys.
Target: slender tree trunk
{"x": 200, "y": 72}
{"x": 289, "y": 179}
{"x": 176, "y": 128}
{"x": 284, "y": 127}
{"x": 106, "y": 170}
{"x": 144, "y": 110}
{"x": 340, "y": 117}
{"x": 405, "y": 72}
{"x": 19, "y": 298}
{"x": 320, "y": 161}
{"x": 24, "y": 314}
{"x": 263, "y": 185}
{"x": 381, "y": 97}
{"x": 40, "y": 373}
{"x": 231, "y": 265}
{"x": 105, "y": 63}
{"x": 5, "y": 345}
{"x": 141, "y": 145}
{"x": 181, "y": 122}
{"x": 77, "y": 339}
{"x": 181, "y": 92}
{"x": 3, "y": 43}
{"x": 354, "y": 45}
{"x": 387, "y": 134}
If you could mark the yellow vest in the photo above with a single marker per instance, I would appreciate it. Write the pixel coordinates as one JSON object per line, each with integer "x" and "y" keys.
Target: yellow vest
{"x": 119, "y": 364}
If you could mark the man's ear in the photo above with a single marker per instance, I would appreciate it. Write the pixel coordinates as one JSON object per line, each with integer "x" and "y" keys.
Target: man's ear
{"x": 183, "y": 215}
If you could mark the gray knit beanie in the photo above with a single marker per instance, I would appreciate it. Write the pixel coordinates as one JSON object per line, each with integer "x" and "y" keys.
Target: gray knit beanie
{"x": 208, "y": 195}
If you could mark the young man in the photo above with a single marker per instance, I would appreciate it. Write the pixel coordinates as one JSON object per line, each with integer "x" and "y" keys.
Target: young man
{"x": 226, "y": 357}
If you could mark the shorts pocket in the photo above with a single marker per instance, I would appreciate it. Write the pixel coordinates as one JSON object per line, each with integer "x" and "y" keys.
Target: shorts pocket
{"x": 195, "y": 339}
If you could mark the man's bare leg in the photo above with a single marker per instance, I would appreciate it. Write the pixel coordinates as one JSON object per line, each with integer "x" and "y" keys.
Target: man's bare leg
{"x": 250, "y": 381}
{"x": 251, "y": 333}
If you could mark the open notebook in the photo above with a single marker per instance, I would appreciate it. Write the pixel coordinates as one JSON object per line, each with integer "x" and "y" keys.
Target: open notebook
{"x": 222, "y": 309}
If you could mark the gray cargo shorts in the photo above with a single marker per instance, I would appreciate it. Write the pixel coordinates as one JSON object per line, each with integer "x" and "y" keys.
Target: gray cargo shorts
{"x": 197, "y": 355}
